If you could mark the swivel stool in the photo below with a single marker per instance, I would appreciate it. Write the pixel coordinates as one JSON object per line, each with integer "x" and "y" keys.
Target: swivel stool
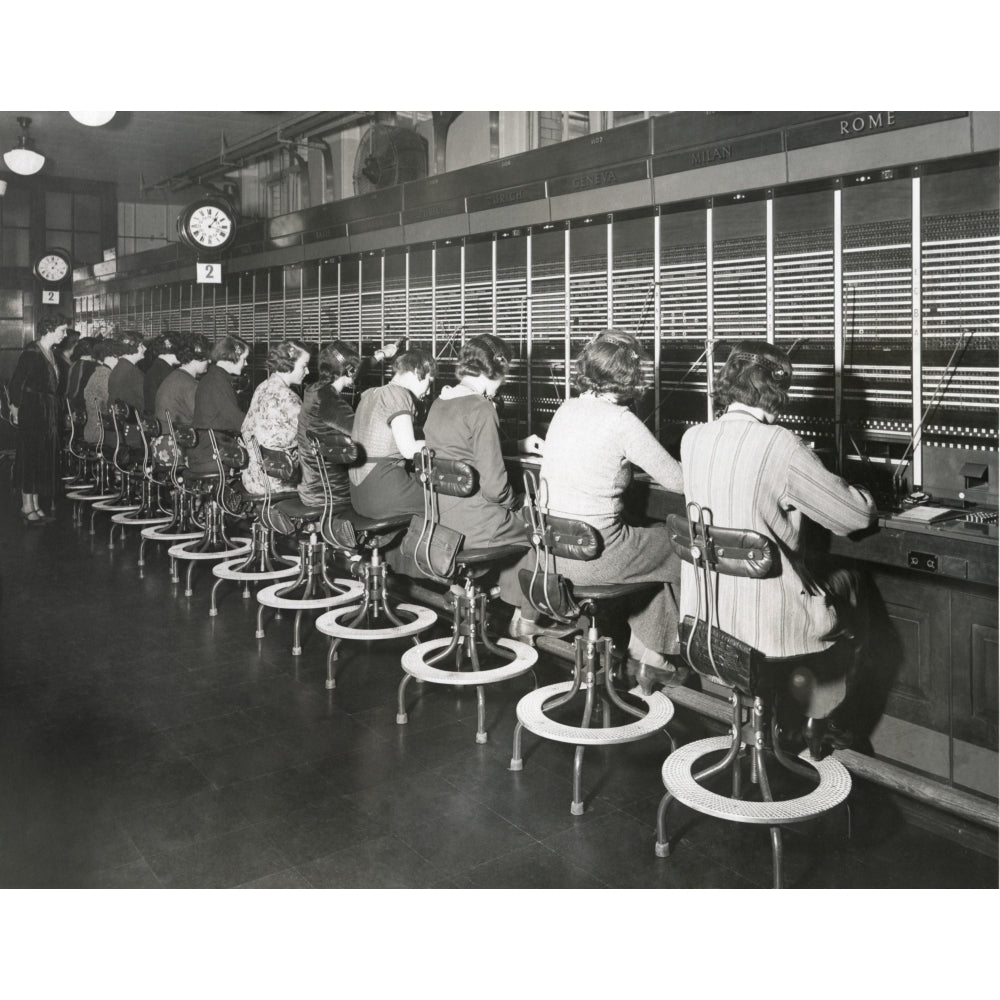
{"x": 262, "y": 562}
{"x": 469, "y": 638}
{"x": 360, "y": 540}
{"x": 168, "y": 469}
{"x": 755, "y": 682}
{"x": 216, "y": 492}
{"x": 90, "y": 483}
{"x": 593, "y": 669}
{"x": 116, "y": 452}
{"x": 139, "y": 431}
{"x": 312, "y": 589}
{"x": 78, "y": 453}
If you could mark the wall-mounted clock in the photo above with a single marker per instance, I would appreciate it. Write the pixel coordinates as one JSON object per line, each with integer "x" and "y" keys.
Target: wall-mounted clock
{"x": 53, "y": 265}
{"x": 208, "y": 224}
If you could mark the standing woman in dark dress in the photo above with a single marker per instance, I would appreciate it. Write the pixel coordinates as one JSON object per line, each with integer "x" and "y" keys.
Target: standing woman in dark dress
{"x": 35, "y": 409}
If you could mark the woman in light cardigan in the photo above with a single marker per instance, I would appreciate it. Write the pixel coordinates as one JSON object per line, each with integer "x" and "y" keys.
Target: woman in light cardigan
{"x": 593, "y": 441}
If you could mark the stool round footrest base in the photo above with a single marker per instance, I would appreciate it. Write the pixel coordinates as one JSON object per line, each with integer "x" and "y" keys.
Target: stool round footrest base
{"x": 329, "y": 624}
{"x": 183, "y": 552}
{"x": 224, "y": 571}
{"x": 834, "y": 786}
{"x": 413, "y": 663}
{"x": 125, "y": 519}
{"x": 531, "y": 715}
{"x": 269, "y": 597}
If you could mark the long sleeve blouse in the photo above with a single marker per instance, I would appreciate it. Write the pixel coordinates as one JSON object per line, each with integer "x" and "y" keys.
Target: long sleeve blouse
{"x": 590, "y": 448}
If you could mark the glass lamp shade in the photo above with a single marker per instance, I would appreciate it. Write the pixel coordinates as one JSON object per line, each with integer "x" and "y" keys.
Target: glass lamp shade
{"x": 24, "y": 161}
{"x": 93, "y": 118}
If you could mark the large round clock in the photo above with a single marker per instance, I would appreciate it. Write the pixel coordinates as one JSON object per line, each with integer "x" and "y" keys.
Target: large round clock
{"x": 208, "y": 224}
{"x": 53, "y": 265}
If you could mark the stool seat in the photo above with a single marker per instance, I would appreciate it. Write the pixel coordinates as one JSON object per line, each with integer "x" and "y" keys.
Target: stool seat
{"x": 492, "y": 553}
{"x": 531, "y": 715}
{"x": 290, "y": 505}
{"x": 834, "y": 786}
{"x": 609, "y": 592}
{"x": 374, "y": 525}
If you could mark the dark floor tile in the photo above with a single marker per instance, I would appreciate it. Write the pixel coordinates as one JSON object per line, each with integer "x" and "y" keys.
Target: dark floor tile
{"x": 152, "y": 784}
{"x": 135, "y": 875}
{"x": 619, "y": 851}
{"x": 257, "y": 757}
{"x": 207, "y": 735}
{"x": 381, "y": 863}
{"x": 272, "y": 796}
{"x": 535, "y": 799}
{"x": 530, "y": 867}
{"x": 287, "y": 879}
{"x": 459, "y": 843}
{"x": 382, "y": 762}
{"x": 334, "y": 736}
{"x": 57, "y": 851}
{"x": 202, "y": 816}
{"x": 407, "y": 802}
{"x": 319, "y": 829}
{"x": 220, "y": 863}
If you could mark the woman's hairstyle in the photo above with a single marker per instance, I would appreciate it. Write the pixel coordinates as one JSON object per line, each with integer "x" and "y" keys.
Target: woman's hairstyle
{"x": 421, "y": 363}
{"x": 283, "y": 357}
{"x": 755, "y": 374}
{"x": 113, "y": 348}
{"x": 49, "y": 323}
{"x": 335, "y": 358}
{"x": 131, "y": 340}
{"x": 84, "y": 348}
{"x": 484, "y": 355}
{"x": 612, "y": 363}
{"x": 191, "y": 347}
{"x": 230, "y": 348}
{"x": 69, "y": 341}
{"x": 164, "y": 342}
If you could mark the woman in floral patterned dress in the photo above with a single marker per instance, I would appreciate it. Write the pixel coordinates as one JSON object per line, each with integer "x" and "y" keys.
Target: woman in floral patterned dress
{"x": 273, "y": 416}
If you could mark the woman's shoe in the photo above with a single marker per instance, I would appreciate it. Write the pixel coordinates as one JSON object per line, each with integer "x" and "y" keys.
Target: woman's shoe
{"x": 526, "y": 630}
{"x": 33, "y": 517}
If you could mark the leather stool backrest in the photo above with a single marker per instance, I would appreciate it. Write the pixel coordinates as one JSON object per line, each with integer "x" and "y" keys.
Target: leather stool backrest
{"x": 432, "y": 546}
{"x": 231, "y": 458}
{"x": 329, "y": 449}
{"x": 715, "y": 551}
{"x": 551, "y": 537}
{"x": 281, "y": 465}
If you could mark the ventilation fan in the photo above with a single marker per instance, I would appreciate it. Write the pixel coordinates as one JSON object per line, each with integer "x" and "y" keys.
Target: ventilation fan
{"x": 389, "y": 155}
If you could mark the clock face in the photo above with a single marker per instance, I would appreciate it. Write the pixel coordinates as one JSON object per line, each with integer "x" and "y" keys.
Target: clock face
{"x": 210, "y": 226}
{"x": 52, "y": 267}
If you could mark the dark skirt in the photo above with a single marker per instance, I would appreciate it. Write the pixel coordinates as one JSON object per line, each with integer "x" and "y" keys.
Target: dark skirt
{"x": 37, "y": 462}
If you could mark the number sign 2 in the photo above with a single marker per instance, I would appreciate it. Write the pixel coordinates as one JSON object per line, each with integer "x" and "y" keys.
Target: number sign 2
{"x": 209, "y": 274}
{"x": 50, "y": 297}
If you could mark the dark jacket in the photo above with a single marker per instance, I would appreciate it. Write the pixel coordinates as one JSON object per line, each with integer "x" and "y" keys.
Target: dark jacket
{"x": 154, "y": 377}
{"x": 177, "y": 394}
{"x": 215, "y": 406}
{"x": 125, "y": 383}
{"x": 323, "y": 410}
{"x": 79, "y": 372}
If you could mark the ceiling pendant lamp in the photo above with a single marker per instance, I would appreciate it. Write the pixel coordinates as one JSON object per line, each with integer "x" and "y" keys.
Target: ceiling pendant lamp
{"x": 21, "y": 159}
{"x": 93, "y": 118}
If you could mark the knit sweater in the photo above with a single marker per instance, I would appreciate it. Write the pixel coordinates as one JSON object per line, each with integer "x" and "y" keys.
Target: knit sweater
{"x": 590, "y": 449}
{"x": 761, "y": 476}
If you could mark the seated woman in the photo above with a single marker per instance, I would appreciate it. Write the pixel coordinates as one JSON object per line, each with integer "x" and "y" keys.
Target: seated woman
{"x": 163, "y": 350}
{"x": 383, "y": 428}
{"x": 177, "y": 391}
{"x": 463, "y": 424}
{"x": 273, "y": 416}
{"x": 324, "y": 409}
{"x": 755, "y": 474}
{"x": 215, "y": 403}
{"x": 80, "y": 371}
{"x": 592, "y": 443}
{"x": 125, "y": 383}
{"x": 107, "y": 354}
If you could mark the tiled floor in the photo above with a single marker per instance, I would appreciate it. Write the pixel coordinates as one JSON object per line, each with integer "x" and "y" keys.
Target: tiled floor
{"x": 144, "y": 744}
